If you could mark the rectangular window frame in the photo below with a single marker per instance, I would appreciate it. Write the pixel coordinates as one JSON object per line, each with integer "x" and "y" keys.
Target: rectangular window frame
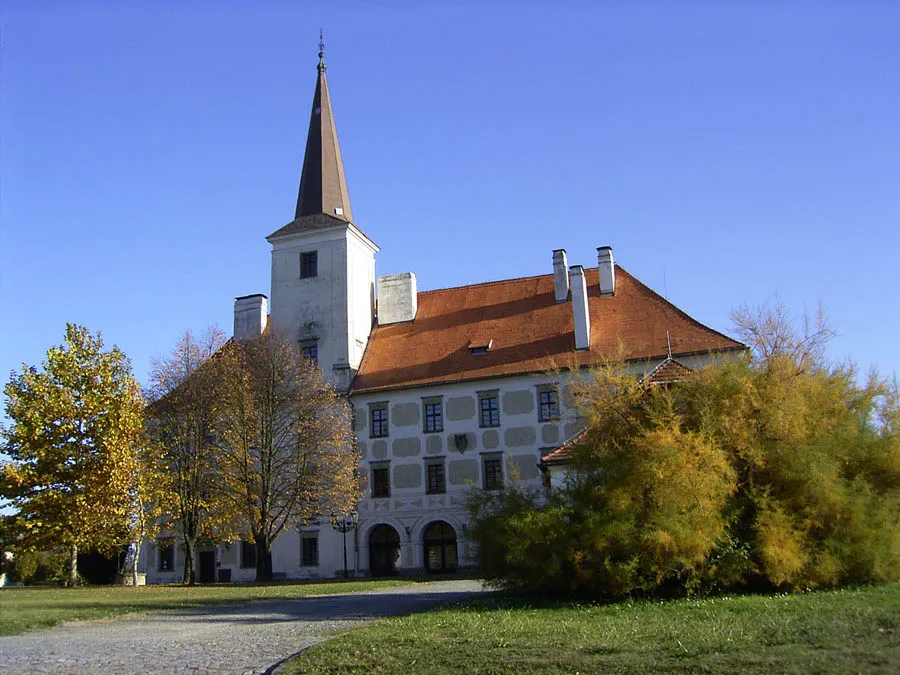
{"x": 492, "y": 471}
{"x": 548, "y": 403}
{"x": 379, "y": 422}
{"x": 435, "y": 476}
{"x": 488, "y": 409}
{"x": 309, "y": 264}
{"x": 165, "y": 561}
{"x": 248, "y": 555}
{"x": 309, "y": 549}
{"x": 310, "y": 350}
{"x": 381, "y": 482}
{"x": 432, "y": 415}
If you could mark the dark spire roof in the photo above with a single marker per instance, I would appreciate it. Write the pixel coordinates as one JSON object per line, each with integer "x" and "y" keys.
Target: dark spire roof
{"x": 323, "y": 187}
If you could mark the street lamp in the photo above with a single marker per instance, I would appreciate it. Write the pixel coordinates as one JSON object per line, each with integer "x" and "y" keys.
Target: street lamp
{"x": 345, "y": 523}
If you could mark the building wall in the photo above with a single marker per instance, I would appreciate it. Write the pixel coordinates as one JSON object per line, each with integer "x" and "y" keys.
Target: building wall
{"x": 408, "y": 449}
{"x": 334, "y": 308}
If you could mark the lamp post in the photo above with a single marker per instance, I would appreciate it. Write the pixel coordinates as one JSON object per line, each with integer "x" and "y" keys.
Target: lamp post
{"x": 345, "y": 523}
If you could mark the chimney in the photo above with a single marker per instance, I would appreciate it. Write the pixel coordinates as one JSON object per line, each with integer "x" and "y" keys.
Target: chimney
{"x": 397, "y": 298}
{"x": 250, "y": 316}
{"x": 607, "y": 270}
{"x": 560, "y": 275}
{"x": 580, "y": 308}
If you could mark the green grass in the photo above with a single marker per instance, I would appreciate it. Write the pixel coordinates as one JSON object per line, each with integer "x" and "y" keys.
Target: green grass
{"x": 23, "y": 609}
{"x": 846, "y": 631}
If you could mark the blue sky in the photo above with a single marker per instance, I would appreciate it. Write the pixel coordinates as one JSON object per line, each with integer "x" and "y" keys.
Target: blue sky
{"x": 727, "y": 151}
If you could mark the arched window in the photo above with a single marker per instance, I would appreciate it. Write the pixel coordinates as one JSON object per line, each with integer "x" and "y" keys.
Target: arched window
{"x": 384, "y": 551}
{"x": 440, "y": 548}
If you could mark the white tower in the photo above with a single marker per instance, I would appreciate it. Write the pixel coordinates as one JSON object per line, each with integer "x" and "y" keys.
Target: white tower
{"x": 323, "y": 266}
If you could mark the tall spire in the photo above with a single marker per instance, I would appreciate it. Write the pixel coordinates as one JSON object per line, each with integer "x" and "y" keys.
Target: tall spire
{"x": 323, "y": 187}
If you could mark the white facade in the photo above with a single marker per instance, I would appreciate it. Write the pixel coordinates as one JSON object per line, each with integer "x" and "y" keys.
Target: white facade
{"x": 333, "y": 308}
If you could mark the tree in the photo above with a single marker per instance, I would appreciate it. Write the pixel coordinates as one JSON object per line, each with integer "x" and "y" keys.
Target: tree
{"x": 288, "y": 453}
{"x": 76, "y": 429}
{"x": 186, "y": 393}
{"x": 779, "y": 470}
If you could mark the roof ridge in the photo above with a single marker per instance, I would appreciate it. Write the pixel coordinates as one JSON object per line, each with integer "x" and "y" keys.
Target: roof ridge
{"x": 495, "y": 282}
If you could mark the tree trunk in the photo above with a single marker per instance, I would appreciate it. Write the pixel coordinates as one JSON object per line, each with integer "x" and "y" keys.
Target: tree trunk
{"x": 134, "y": 564}
{"x": 263, "y": 559}
{"x": 190, "y": 574}
{"x": 73, "y": 566}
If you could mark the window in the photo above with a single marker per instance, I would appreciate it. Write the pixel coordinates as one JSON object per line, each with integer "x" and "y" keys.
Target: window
{"x": 379, "y": 417}
{"x": 309, "y": 264}
{"x": 437, "y": 483}
{"x": 309, "y": 550}
{"x": 434, "y": 418}
{"x": 381, "y": 481}
{"x": 248, "y": 554}
{"x": 489, "y": 410}
{"x": 549, "y": 408}
{"x": 493, "y": 472}
{"x": 310, "y": 351}
{"x": 166, "y": 555}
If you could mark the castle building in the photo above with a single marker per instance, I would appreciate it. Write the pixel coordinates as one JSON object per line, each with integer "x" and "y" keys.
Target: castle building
{"x": 452, "y": 389}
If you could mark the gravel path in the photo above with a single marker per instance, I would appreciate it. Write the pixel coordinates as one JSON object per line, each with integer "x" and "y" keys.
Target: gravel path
{"x": 250, "y": 638}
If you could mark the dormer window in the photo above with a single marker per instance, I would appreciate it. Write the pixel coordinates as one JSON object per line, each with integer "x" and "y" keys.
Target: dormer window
{"x": 478, "y": 348}
{"x": 309, "y": 264}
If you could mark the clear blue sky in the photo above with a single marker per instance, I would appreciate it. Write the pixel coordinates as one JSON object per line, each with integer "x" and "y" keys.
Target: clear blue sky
{"x": 729, "y": 151}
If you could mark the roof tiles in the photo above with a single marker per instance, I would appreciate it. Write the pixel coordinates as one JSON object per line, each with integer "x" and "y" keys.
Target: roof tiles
{"x": 528, "y": 331}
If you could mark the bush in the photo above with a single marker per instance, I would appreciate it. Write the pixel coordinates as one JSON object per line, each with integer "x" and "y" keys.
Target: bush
{"x": 777, "y": 470}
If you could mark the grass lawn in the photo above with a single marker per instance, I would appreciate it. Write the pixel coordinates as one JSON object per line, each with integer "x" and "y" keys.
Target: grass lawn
{"x": 847, "y": 631}
{"x": 22, "y": 609}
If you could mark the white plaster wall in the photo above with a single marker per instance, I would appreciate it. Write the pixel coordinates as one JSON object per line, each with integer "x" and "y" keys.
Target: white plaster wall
{"x": 411, "y": 507}
{"x": 336, "y": 306}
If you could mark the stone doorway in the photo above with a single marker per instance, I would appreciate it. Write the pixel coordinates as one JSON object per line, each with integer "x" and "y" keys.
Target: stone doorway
{"x": 384, "y": 551}
{"x": 440, "y": 548}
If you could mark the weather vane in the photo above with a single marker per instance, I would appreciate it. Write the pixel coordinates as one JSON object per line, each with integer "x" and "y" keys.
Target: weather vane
{"x": 321, "y": 66}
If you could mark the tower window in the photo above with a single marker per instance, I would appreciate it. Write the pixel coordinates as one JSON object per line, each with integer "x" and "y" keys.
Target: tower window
{"x": 309, "y": 264}
{"x": 310, "y": 351}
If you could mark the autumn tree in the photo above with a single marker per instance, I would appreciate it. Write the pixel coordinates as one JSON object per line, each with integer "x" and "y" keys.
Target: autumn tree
{"x": 186, "y": 393}
{"x": 287, "y": 450}
{"x": 779, "y": 470}
{"x": 73, "y": 447}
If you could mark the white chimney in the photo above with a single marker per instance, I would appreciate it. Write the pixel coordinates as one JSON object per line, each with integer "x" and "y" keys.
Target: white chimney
{"x": 397, "y": 298}
{"x": 251, "y": 312}
{"x": 607, "y": 270}
{"x": 560, "y": 275}
{"x": 580, "y": 308}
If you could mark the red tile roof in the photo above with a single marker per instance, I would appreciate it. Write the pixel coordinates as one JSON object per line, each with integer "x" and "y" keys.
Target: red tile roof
{"x": 667, "y": 372}
{"x": 563, "y": 454}
{"x": 528, "y": 331}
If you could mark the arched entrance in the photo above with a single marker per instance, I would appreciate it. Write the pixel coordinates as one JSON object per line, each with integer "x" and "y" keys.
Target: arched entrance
{"x": 384, "y": 551}
{"x": 440, "y": 548}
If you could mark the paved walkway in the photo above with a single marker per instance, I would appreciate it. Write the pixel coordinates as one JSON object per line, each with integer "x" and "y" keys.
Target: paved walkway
{"x": 251, "y": 638}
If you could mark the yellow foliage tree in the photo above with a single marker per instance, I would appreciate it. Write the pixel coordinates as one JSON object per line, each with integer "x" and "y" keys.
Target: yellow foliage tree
{"x": 287, "y": 449}
{"x": 74, "y": 445}
{"x": 187, "y": 392}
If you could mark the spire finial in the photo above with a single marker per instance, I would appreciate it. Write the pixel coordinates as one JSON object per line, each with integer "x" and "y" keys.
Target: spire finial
{"x": 321, "y": 67}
